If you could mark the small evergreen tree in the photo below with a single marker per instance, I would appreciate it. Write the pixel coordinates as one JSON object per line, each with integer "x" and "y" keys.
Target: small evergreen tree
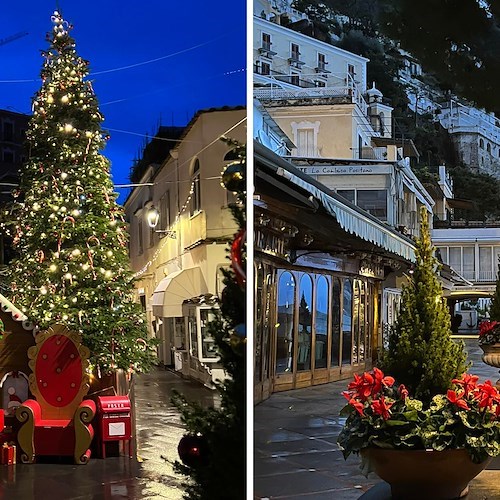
{"x": 219, "y": 469}
{"x": 421, "y": 353}
{"x": 69, "y": 232}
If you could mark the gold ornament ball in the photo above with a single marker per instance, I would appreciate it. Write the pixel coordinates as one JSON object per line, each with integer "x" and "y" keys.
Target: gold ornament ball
{"x": 233, "y": 177}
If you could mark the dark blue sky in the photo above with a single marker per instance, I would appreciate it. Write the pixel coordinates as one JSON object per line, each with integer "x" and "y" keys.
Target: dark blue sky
{"x": 197, "y": 49}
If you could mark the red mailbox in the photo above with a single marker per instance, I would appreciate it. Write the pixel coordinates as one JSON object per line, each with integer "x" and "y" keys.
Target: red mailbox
{"x": 114, "y": 421}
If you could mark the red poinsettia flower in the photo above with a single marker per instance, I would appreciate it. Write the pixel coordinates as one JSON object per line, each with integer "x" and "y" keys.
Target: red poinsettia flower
{"x": 486, "y": 327}
{"x": 358, "y": 406}
{"x": 457, "y": 399}
{"x": 362, "y": 386}
{"x": 468, "y": 382}
{"x": 381, "y": 380}
{"x": 381, "y": 407}
{"x": 488, "y": 395}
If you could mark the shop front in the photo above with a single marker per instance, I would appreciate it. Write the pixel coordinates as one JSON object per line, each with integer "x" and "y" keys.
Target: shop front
{"x": 319, "y": 280}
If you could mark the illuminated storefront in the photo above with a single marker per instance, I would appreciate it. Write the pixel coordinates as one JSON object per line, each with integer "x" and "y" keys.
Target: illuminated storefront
{"x": 318, "y": 286}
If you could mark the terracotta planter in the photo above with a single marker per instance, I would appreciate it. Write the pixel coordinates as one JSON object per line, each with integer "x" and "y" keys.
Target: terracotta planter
{"x": 417, "y": 474}
{"x": 491, "y": 356}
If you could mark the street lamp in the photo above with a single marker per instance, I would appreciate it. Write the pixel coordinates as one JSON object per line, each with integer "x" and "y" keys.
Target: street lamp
{"x": 153, "y": 217}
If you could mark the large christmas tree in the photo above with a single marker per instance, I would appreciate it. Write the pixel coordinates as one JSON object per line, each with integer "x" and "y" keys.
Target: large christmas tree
{"x": 68, "y": 230}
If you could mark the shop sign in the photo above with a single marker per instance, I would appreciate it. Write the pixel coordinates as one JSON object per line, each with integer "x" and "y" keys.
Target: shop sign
{"x": 371, "y": 270}
{"x": 346, "y": 169}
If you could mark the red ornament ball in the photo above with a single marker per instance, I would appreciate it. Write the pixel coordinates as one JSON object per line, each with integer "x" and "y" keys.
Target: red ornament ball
{"x": 193, "y": 450}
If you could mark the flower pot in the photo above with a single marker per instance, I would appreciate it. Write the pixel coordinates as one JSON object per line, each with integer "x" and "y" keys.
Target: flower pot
{"x": 429, "y": 474}
{"x": 491, "y": 356}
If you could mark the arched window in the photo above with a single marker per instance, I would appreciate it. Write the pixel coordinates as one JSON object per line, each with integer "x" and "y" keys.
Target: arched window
{"x": 195, "y": 205}
{"x": 335, "y": 355}
{"x": 488, "y": 147}
{"x": 481, "y": 143}
{"x": 362, "y": 322}
{"x": 286, "y": 305}
{"x": 305, "y": 324}
{"x": 258, "y": 320}
{"x": 321, "y": 323}
{"x": 355, "y": 320}
{"x": 347, "y": 323}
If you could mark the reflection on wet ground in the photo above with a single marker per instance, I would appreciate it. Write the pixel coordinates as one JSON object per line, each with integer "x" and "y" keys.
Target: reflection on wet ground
{"x": 159, "y": 430}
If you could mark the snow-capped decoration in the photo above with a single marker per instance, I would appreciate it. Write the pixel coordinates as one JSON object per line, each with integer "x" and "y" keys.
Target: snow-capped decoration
{"x": 374, "y": 94}
{"x": 17, "y": 315}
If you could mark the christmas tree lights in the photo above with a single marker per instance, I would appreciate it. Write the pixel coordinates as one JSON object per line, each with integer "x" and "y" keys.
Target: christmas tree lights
{"x": 69, "y": 232}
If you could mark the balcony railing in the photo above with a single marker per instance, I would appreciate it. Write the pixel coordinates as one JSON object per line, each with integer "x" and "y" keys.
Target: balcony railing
{"x": 304, "y": 90}
{"x": 282, "y": 77}
{"x": 368, "y": 153}
{"x": 445, "y": 224}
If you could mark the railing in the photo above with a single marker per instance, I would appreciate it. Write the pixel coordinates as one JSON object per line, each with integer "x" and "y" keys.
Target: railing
{"x": 462, "y": 119}
{"x": 301, "y": 93}
{"x": 486, "y": 276}
{"x": 445, "y": 224}
{"x": 284, "y": 78}
{"x": 368, "y": 153}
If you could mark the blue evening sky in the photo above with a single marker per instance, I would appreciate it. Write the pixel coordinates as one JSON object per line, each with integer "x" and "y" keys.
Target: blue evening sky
{"x": 194, "y": 52}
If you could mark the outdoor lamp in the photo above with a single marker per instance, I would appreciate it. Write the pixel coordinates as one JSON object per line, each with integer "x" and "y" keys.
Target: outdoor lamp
{"x": 153, "y": 216}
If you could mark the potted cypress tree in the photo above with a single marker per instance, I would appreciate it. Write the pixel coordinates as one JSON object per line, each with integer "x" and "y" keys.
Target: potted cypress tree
{"x": 427, "y": 427}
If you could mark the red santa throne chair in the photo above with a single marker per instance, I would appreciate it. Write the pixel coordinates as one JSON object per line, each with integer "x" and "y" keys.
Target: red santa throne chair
{"x": 57, "y": 423}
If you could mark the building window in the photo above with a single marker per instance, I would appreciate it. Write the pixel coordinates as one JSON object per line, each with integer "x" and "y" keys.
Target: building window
{"x": 305, "y": 324}
{"x": 165, "y": 220}
{"x": 321, "y": 61}
{"x": 306, "y": 144}
{"x": 485, "y": 264}
{"x": 348, "y": 194}
{"x": 295, "y": 52}
{"x": 468, "y": 263}
{"x": 305, "y": 137}
{"x": 361, "y": 323}
{"x": 347, "y": 322}
{"x": 266, "y": 41}
{"x": 265, "y": 68}
{"x": 140, "y": 247}
{"x": 335, "y": 355}
{"x": 481, "y": 143}
{"x": 373, "y": 201}
{"x": 488, "y": 147}
{"x": 207, "y": 341}
{"x": 286, "y": 305}
{"x": 8, "y": 131}
{"x": 195, "y": 205}
{"x": 351, "y": 74}
{"x": 321, "y": 323}
{"x": 295, "y": 79}
{"x": 8, "y": 155}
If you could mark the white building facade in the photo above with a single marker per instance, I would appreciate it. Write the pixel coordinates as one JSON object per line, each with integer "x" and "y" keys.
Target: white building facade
{"x": 178, "y": 263}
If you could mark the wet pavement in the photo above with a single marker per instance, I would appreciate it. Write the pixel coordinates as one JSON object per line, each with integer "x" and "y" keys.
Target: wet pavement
{"x": 149, "y": 476}
{"x": 296, "y": 455}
